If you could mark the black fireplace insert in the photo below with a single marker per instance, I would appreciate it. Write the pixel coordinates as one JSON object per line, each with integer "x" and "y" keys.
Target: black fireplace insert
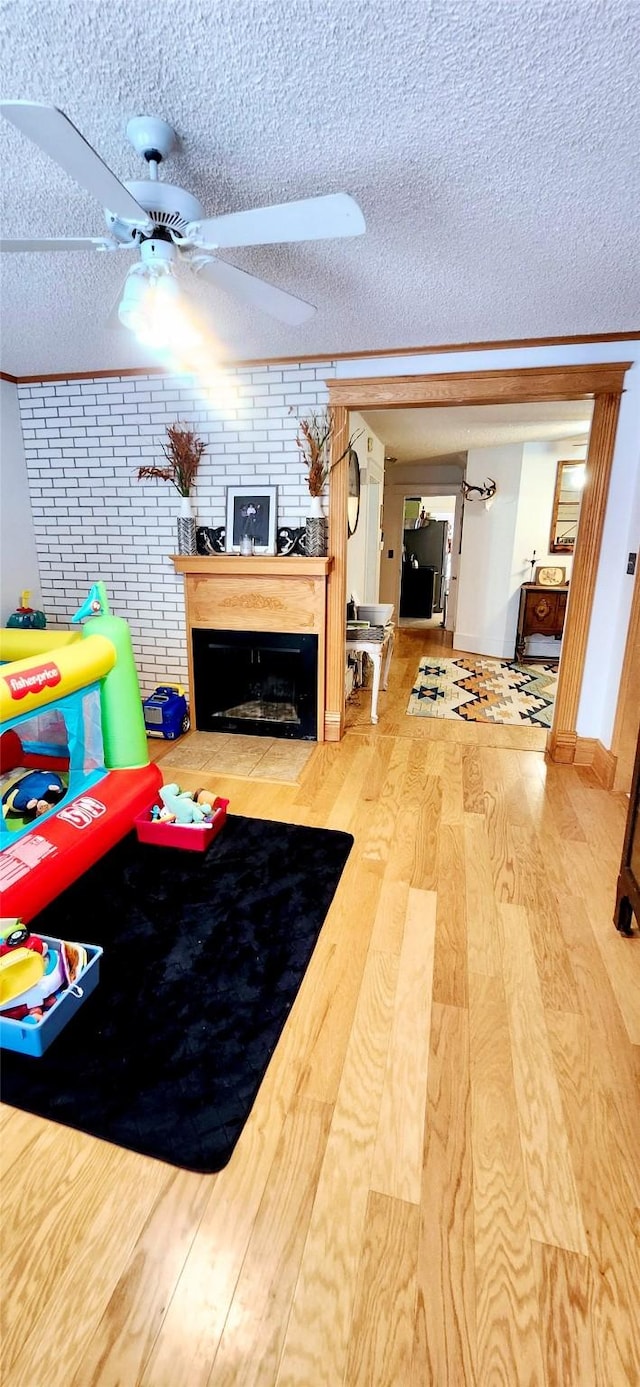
{"x": 259, "y": 682}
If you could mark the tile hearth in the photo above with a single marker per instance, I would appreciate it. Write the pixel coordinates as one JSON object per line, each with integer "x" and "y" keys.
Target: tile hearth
{"x": 228, "y": 753}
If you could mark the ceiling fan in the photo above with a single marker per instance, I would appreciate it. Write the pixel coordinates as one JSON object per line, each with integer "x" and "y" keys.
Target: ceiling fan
{"x": 168, "y": 226}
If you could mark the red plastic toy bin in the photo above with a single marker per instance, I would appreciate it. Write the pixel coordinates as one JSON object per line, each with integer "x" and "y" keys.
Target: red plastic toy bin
{"x": 192, "y": 837}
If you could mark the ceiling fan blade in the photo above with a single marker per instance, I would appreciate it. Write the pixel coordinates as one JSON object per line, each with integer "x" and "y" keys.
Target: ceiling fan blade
{"x": 256, "y": 292}
{"x": 312, "y": 219}
{"x": 57, "y": 136}
{"x": 47, "y": 243}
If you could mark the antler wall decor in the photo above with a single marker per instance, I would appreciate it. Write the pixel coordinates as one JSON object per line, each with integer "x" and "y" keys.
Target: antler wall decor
{"x": 479, "y": 493}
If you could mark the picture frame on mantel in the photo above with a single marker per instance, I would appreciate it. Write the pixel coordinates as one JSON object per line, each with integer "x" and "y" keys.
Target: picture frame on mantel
{"x": 251, "y": 519}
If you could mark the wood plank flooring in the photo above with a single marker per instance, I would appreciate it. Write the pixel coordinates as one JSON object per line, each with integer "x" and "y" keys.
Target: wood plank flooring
{"x": 439, "y": 1183}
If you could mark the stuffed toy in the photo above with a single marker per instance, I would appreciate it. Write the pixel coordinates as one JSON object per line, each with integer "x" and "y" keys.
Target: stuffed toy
{"x": 182, "y": 807}
{"x": 28, "y": 794}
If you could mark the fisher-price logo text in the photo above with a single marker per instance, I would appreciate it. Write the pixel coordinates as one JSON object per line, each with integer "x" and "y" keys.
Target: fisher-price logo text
{"x": 33, "y": 681}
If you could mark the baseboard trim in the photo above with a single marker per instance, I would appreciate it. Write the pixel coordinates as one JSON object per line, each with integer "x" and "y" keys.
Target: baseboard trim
{"x": 590, "y": 752}
{"x": 567, "y": 749}
{"x": 562, "y": 748}
{"x": 469, "y": 644}
{"x": 333, "y": 726}
{"x": 604, "y": 766}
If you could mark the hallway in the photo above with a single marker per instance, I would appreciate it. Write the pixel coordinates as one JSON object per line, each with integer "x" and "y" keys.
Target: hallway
{"x": 410, "y": 645}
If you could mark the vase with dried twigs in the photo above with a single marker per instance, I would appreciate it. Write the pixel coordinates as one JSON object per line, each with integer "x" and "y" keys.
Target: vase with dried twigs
{"x": 313, "y": 440}
{"x": 183, "y": 451}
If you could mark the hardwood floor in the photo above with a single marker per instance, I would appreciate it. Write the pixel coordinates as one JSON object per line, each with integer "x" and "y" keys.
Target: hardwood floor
{"x": 439, "y": 1183}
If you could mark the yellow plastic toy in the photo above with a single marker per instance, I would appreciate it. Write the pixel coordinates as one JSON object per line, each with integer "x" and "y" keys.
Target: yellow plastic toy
{"x": 19, "y": 970}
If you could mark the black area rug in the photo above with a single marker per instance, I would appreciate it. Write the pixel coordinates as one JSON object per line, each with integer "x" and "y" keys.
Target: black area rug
{"x": 203, "y": 956}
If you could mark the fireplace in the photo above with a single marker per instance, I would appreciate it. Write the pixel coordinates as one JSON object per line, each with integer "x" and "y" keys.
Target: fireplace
{"x": 258, "y": 682}
{"x": 279, "y": 606}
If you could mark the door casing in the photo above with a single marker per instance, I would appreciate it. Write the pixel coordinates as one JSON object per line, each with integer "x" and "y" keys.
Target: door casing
{"x": 601, "y": 382}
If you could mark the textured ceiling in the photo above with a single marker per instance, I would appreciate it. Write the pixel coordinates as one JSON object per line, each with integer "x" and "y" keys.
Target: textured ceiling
{"x": 492, "y": 145}
{"x": 417, "y": 435}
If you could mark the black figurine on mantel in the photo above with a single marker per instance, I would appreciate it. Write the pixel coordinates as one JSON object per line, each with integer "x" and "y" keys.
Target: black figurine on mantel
{"x": 532, "y": 561}
{"x": 291, "y": 541}
{"x": 210, "y": 541}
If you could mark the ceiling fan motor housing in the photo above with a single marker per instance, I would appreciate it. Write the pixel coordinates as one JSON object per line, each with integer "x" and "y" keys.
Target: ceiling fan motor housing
{"x": 169, "y": 207}
{"x": 158, "y": 250}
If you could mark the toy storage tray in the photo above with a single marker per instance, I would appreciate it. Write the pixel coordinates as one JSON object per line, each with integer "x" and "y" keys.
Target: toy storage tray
{"x": 192, "y": 837}
{"x": 34, "y": 1038}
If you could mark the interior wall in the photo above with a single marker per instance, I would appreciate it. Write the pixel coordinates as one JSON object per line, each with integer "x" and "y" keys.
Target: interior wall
{"x": 614, "y": 586}
{"x": 84, "y": 441}
{"x": 485, "y": 620}
{"x": 412, "y": 508}
{"x": 363, "y": 547}
{"x": 537, "y": 490}
{"x": 499, "y": 543}
{"x": 18, "y": 557}
{"x": 456, "y": 543}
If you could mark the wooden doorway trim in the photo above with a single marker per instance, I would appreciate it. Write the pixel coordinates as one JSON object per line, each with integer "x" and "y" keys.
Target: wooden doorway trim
{"x": 602, "y": 382}
{"x": 625, "y": 728}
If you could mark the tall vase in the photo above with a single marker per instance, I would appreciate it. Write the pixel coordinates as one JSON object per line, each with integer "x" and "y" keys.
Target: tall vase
{"x": 316, "y": 530}
{"x": 186, "y": 527}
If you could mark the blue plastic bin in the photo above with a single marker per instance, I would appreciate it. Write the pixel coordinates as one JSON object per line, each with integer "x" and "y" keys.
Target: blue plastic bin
{"x": 35, "y": 1037}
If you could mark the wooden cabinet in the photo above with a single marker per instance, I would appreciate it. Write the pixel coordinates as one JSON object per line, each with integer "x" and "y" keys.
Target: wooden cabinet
{"x": 628, "y": 890}
{"x": 542, "y": 612}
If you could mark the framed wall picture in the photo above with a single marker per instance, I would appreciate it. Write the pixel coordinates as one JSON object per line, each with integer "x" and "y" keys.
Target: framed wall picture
{"x": 550, "y": 575}
{"x": 251, "y": 516}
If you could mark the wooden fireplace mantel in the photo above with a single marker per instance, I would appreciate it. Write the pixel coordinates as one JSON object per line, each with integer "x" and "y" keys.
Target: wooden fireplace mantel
{"x": 258, "y": 566}
{"x": 227, "y": 592}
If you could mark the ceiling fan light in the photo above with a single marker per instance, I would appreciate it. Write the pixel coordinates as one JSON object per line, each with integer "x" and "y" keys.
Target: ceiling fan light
{"x": 161, "y": 309}
{"x": 148, "y": 305}
{"x": 135, "y": 288}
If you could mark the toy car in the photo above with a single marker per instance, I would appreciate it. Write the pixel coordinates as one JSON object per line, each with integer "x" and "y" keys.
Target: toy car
{"x": 166, "y": 713}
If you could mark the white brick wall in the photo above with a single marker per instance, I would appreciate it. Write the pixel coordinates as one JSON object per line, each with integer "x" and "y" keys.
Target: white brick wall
{"x": 84, "y": 442}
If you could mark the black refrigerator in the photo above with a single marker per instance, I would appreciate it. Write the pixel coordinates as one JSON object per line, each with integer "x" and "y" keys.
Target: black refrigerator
{"x": 422, "y": 587}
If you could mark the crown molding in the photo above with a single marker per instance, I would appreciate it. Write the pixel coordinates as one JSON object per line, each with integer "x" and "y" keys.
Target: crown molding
{"x": 325, "y": 357}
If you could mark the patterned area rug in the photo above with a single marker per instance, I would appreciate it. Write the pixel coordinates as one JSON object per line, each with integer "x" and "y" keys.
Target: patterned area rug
{"x": 476, "y": 688}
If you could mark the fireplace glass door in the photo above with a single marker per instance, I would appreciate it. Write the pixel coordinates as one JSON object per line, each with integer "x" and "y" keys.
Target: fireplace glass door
{"x": 256, "y": 682}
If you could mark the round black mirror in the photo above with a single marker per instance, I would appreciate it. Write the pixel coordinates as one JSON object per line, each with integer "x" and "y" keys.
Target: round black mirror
{"x": 353, "y": 491}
